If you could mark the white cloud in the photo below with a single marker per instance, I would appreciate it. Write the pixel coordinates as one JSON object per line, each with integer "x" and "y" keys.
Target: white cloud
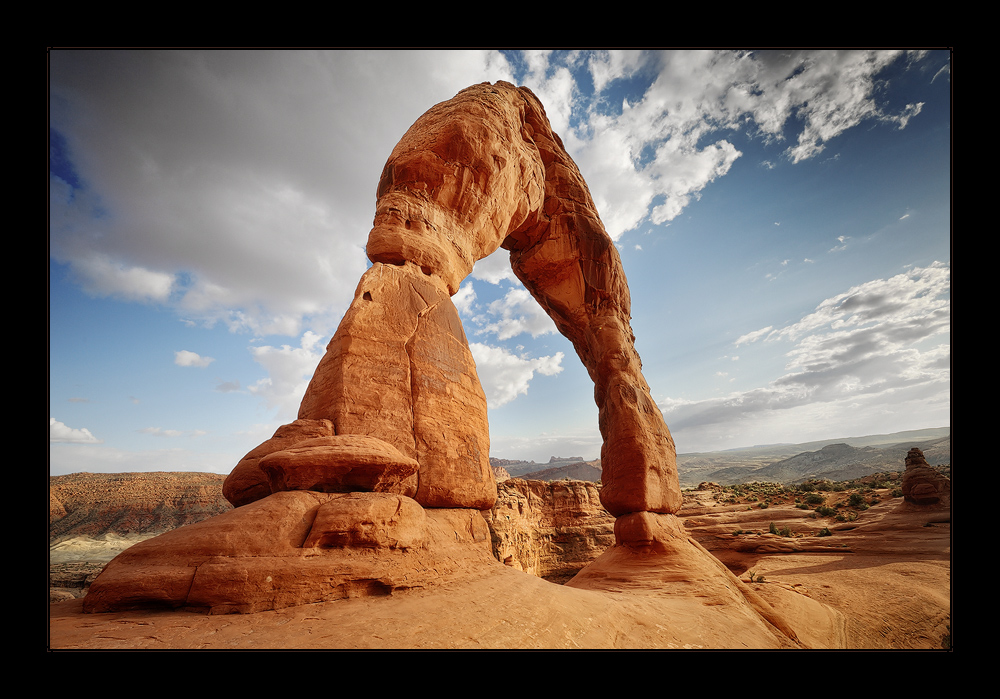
{"x": 495, "y": 268}
{"x": 753, "y": 336}
{"x": 160, "y": 432}
{"x": 58, "y": 432}
{"x": 188, "y": 358}
{"x": 608, "y": 66}
{"x": 659, "y": 154}
{"x": 504, "y": 375}
{"x": 237, "y": 186}
{"x": 859, "y": 353}
{"x": 465, "y": 298}
{"x": 99, "y": 275}
{"x": 289, "y": 370}
{"x": 517, "y": 312}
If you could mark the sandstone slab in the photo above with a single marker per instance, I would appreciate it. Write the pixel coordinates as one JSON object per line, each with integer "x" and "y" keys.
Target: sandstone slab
{"x": 292, "y": 548}
{"x": 340, "y": 464}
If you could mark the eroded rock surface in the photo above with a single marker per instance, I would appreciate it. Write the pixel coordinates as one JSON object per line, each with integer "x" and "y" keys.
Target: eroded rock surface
{"x": 922, "y": 485}
{"x": 550, "y": 529}
{"x": 481, "y": 171}
{"x": 395, "y": 410}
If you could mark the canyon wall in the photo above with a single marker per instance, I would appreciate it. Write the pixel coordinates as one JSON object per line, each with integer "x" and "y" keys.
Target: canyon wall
{"x": 549, "y": 529}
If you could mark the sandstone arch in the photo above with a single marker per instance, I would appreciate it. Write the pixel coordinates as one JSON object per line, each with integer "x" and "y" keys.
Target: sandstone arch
{"x": 478, "y": 172}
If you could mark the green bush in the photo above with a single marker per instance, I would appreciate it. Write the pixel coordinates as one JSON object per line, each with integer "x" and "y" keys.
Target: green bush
{"x": 825, "y": 511}
{"x": 824, "y": 532}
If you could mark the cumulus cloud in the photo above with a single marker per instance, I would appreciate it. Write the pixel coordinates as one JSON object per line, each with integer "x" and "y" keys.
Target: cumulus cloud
{"x": 517, "y": 312}
{"x": 235, "y": 186}
{"x": 188, "y": 358}
{"x": 289, "y": 370}
{"x": 650, "y": 158}
{"x": 59, "y": 432}
{"x": 238, "y": 186}
{"x": 505, "y": 375}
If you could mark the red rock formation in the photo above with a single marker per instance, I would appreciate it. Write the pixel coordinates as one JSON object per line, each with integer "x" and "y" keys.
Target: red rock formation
{"x": 395, "y": 406}
{"x": 922, "y": 485}
{"x": 549, "y": 529}
{"x": 477, "y": 172}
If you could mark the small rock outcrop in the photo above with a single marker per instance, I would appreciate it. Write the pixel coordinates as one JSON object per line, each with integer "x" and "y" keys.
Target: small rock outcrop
{"x": 922, "y": 484}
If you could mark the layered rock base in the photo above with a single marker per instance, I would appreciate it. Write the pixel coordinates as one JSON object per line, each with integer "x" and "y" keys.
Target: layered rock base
{"x": 296, "y": 547}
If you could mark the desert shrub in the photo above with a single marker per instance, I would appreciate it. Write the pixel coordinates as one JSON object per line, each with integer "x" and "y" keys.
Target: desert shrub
{"x": 785, "y": 531}
{"x": 773, "y": 528}
{"x": 856, "y": 499}
{"x": 825, "y": 511}
{"x": 815, "y": 499}
{"x": 824, "y": 532}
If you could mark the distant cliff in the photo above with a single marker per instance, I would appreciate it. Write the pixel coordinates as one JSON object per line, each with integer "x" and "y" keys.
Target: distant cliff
{"x": 129, "y": 504}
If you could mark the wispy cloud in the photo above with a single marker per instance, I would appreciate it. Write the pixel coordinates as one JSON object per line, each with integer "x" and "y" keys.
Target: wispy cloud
{"x": 871, "y": 345}
{"x": 160, "y": 432}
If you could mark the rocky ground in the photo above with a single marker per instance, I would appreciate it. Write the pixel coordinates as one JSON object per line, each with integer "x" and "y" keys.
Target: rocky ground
{"x": 873, "y": 574}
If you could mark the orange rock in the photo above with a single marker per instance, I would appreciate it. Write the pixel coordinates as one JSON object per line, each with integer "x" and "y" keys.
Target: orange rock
{"x": 922, "y": 485}
{"x": 247, "y": 483}
{"x": 397, "y": 386}
{"x": 292, "y": 548}
{"x": 399, "y": 369}
{"x": 340, "y": 465}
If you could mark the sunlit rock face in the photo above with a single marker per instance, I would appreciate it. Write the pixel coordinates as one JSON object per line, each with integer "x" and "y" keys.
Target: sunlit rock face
{"x": 922, "y": 485}
{"x": 390, "y": 450}
{"x": 481, "y": 171}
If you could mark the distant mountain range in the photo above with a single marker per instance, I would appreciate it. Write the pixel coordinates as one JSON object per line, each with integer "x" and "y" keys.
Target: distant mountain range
{"x": 837, "y": 459}
{"x": 558, "y": 467}
{"x": 834, "y": 459}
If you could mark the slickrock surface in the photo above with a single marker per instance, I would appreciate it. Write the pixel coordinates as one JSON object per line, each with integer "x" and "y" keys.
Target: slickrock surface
{"x": 886, "y": 578}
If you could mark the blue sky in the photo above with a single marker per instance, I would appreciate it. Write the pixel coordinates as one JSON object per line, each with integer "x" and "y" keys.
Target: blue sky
{"x": 783, "y": 217}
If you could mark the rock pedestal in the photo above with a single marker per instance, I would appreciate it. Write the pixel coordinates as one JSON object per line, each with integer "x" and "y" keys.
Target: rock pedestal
{"x": 922, "y": 485}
